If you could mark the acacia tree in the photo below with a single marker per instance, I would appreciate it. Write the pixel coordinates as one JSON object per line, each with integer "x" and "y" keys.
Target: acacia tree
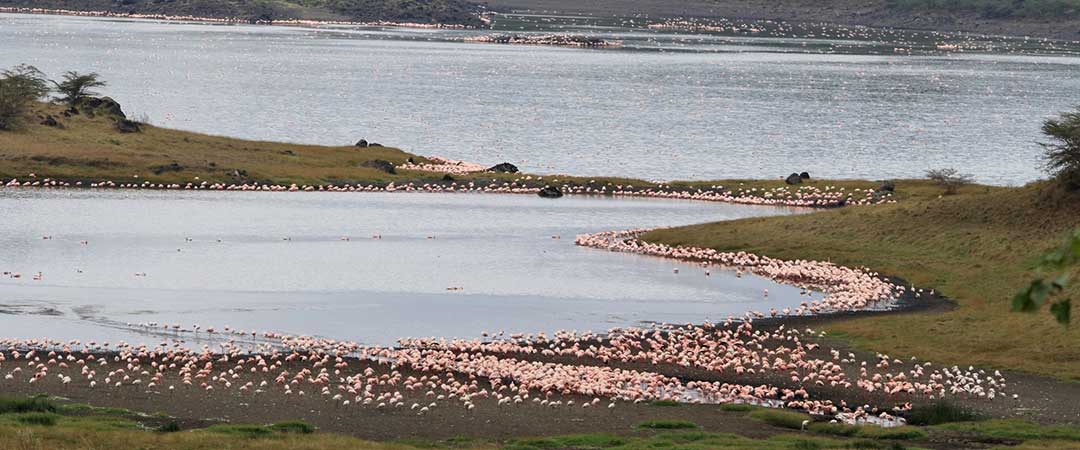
{"x": 77, "y": 86}
{"x": 1060, "y": 263}
{"x": 1062, "y": 153}
{"x": 19, "y": 86}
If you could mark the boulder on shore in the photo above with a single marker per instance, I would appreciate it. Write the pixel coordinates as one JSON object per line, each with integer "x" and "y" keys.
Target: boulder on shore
{"x": 447, "y": 177}
{"x": 804, "y": 175}
{"x": 105, "y": 106}
{"x": 504, "y": 168}
{"x": 127, "y": 126}
{"x": 550, "y": 192}
{"x": 380, "y": 164}
{"x": 51, "y": 121}
{"x": 794, "y": 178}
{"x": 887, "y": 186}
{"x": 362, "y": 143}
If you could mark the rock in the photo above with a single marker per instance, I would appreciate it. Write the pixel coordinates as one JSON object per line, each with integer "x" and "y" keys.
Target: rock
{"x": 173, "y": 167}
{"x": 105, "y": 106}
{"x": 374, "y": 144}
{"x": 887, "y": 186}
{"x": 410, "y": 160}
{"x": 550, "y": 192}
{"x": 804, "y": 175}
{"x": 289, "y": 152}
{"x": 51, "y": 121}
{"x": 793, "y": 179}
{"x": 72, "y": 111}
{"x": 379, "y": 164}
{"x": 127, "y": 126}
{"x": 362, "y": 143}
{"x": 504, "y": 168}
{"x": 446, "y": 177}
{"x": 239, "y": 173}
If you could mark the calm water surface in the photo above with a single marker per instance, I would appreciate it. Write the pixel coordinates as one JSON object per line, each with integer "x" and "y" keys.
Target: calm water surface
{"x": 277, "y": 261}
{"x": 665, "y": 106}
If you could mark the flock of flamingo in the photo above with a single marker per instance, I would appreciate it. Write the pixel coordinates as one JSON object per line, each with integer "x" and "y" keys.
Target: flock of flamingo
{"x": 709, "y": 363}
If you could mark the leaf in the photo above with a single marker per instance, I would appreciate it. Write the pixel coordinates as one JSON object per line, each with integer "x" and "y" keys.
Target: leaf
{"x": 1062, "y": 311}
{"x": 1039, "y": 290}
{"x": 1022, "y": 301}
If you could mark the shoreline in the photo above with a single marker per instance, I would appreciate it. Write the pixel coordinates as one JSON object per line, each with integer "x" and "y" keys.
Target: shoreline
{"x": 228, "y": 21}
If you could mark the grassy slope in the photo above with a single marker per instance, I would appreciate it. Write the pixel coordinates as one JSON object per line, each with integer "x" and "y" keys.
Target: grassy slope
{"x": 975, "y": 247}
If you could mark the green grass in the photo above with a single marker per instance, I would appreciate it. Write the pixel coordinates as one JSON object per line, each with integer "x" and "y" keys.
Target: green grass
{"x": 868, "y": 431}
{"x": 292, "y": 427}
{"x": 940, "y": 412}
{"x": 976, "y": 247}
{"x": 1015, "y": 429}
{"x": 667, "y": 425}
{"x": 666, "y": 403}
{"x": 35, "y": 418}
{"x": 738, "y": 407}
{"x": 780, "y": 418}
{"x": 242, "y": 430}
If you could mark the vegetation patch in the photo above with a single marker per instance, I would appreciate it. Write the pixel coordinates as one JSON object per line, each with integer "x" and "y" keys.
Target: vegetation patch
{"x": 26, "y": 405}
{"x": 665, "y": 403}
{"x": 36, "y": 418}
{"x": 667, "y": 424}
{"x": 940, "y": 412}
{"x": 242, "y": 430}
{"x": 781, "y": 418}
{"x": 738, "y": 407}
{"x": 292, "y": 427}
{"x": 1016, "y": 429}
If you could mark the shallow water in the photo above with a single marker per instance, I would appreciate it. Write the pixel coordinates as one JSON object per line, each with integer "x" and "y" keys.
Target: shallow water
{"x": 281, "y": 264}
{"x": 668, "y": 105}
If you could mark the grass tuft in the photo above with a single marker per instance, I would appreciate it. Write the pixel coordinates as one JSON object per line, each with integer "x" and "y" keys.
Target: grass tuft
{"x": 667, "y": 424}
{"x": 292, "y": 427}
{"x": 36, "y": 418}
{"x": 940, "y": 412}
{"x": 25, "y": 405}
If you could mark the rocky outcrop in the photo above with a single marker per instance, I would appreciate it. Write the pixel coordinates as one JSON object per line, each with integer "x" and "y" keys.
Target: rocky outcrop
{"x": 379, "y": 164}
{"x": 51, "y": 121}
{"x": 362, "y": 143}
{"x": 793, "y": 179}
{"x": 504, "y": 168}
{"x": 127, "y": 126}
{"x": 100, "y": 106}
{"x": 550, "y": 192}
{"x": 172, "y": 167}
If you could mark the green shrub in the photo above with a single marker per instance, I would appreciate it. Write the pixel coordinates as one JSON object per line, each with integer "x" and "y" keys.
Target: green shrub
{"x": 37, "y": 418}
{"x": 940, "y": 412}
{"x": 292, "y": 427}
{"x": 781, "y": 418}
{"x": 171, "y": 427}
{"x": 25, "y": 405}
{"x": 667, "y": 424}
{"x": 738, "y": 407}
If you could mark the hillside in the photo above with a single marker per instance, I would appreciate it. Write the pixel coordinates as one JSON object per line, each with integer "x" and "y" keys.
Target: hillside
{"x": 1053, "y": 19}
{"x": 975, "y": 247}
{"x": 420, "y": 11}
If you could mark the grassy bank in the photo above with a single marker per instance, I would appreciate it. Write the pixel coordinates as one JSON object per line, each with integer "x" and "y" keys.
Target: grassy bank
{"x": 976, "y": 247}
{"x": 39, "y": 422}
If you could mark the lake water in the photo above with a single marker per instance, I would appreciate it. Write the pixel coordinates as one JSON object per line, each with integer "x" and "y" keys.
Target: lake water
{"x": 278, "y": 262}
{"x": 667, "y": 105}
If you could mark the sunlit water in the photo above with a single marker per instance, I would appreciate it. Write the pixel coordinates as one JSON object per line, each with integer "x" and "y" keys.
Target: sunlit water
{"x": 667, "y": 105}
{"x": 278, "y": 262}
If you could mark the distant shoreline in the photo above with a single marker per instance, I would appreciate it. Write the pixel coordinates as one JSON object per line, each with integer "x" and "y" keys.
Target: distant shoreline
{"x": 225, "y": 20}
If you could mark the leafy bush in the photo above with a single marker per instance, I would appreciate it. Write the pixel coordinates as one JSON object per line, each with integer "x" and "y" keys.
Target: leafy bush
{"x": 948, "y": 178}
{"x": 77, "y": 86}
{"x": 1062, "y": 153}
{"x": 667, "y": 424}
{"x": 171, "y": 427}
{"x": 781, "y": 418}
{"x": 940, "y": 412}
{"x": 19, "y": 86}
{"x": 25, "y": 405}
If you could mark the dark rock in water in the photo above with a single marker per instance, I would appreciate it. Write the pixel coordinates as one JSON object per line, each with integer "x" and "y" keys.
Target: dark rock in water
{"x": 793, "y": 179}
{"x": 804, "y": 175}
{"x": 362, "y": 143}
{"x": 379, "y": 164}
{"x": 887, "y": 186}
{"x": 105, "y": 106}
{"x": 51, "y": 121}
{"x": 446, "y": 177}
{"x": 173, "y": 167}
{"x": 127, "y": 126}
{"x": 504, "y": 168}
{"x": 550, "y": 192}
